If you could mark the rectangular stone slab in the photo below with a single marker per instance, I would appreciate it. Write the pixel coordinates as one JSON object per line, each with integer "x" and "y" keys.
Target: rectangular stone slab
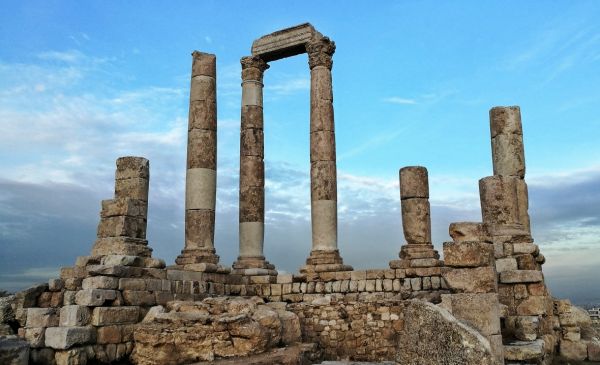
{"x": 284, "y": 43}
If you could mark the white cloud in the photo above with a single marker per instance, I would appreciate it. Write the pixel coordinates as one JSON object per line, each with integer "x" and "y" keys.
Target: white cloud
{"x": 70, "y": 56}
{"x": 288, "y": 86}
{"x": 399, "y": 100}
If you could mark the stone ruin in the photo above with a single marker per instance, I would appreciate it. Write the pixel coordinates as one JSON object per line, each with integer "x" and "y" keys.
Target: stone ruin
{"x": 485, "y": 303}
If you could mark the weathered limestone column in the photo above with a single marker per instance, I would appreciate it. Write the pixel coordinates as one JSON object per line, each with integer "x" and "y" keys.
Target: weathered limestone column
{"x": 416, "y": 220}
{"x": 123, "y": 219}
{"x": 527, "y": 326}
{"x": 251, "y": 259}
{"x": 201, "y": 175}
{"x": 508, "y": 154}
{"x": 323, "y": 176}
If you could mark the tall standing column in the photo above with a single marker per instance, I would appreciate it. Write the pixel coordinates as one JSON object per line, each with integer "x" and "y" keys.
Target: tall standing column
{"x": 323, "y": 176}
{"x": 416, "y": 220}
{"x": 508, "y": 155}
{"x": 251, "y": 259}
{"x": 201, "y": 175}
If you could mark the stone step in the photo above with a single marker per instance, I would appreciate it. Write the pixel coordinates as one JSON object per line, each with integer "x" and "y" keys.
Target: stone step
{"x": 524, "y": 350}
{"x": 521, "y": 276}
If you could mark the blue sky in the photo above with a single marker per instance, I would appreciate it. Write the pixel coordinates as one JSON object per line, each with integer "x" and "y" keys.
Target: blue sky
{"x": 82, "y": 83}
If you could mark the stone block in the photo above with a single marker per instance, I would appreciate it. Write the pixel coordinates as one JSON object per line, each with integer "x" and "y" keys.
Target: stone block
{"x": 153, "y": 263}
{"x": 284, "y": 43}
{"x": 375, "y": 274}
{"x": 508, "y": 155}
{"x": 122, "y": 260}
{"x": 74, "y": 316}
{"x": 358, "y": 275}
{"x": 35, "y": 336}
{"x": 42, "y": 317}
{"x": 574, "y": 351}
{"x": 416, "y": 220}
{"x": 526, "y": 328}
{"x": 532, "y": 306}
{"x": 562, "y": 306}
{"x": 468, "y": 254}
{"x": 154, "y": 284}
{"x": 284, "y": 278}
{"x": 124, "y": 207}
{"x": 526, "y": 262}
{"x": 122, "y": 226}
{"x": 69, "y": 297}
{"x": 370, "y": 285}
{"x": 132, "y": 167}
{"x": 134, "y": 188}
{"x": 103, "y": 316}
{"x": 470, "y": 280}
{"x": 116, "y": 271}
{"x": 140, "y": 297}
{"x": 498, "y": 197}
{"x": 100, "y": 282}
{"x": 479, "y": 310}
{"x": 506, "y": 264}
{"x": 204, "y": 64}
{"x": 94, "y": 297}
{"x": 520, "y": 291}
{"x": 415, "y": 284}
{"x": 62, "y": 338}
{"x": 73, "y": 284}
{"x": 505, "y": 120}
{"x": 525, "y": 247}
{"x": 524, "y": 350}
{"x": 132, "y": 284}
{"x": 424, "y": 263}
{"x": 109, "y": 334}
{"x": 435, "y": 282}
{"x": 521, "y": 276}
{"x": 388, "y": 285}
{"x": 121, "y": 246}
{"x": 468, "y": 232}
{"x": 538, "y": 289}
{"x": 55, "y": 284}
{"x": 414, "y": 182}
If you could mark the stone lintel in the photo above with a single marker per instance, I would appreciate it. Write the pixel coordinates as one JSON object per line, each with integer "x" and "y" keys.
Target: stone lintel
{"x": 284, "y": 43}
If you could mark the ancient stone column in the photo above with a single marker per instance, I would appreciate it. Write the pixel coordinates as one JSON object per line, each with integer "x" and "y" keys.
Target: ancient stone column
{"x": 416, "y": 220}
{"x": 323, "y": 177}
{"x": 508, "y": 155}
{"x": 123, "y": 219}
{"x": 201, "y": 175}
{"x": 252, "y": 175}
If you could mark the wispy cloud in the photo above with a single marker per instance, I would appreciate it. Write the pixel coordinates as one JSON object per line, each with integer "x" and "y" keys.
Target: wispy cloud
{"x": 399, "y": 100}
{"x": 557, "y": 49}
{"x": 372, "y": 142}
{"x": 289, "y": 86}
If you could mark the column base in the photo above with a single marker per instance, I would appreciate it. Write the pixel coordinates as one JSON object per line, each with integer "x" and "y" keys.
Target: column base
{"x": 253, "y": 266}
{"x": 197, "y": 256}
{"x": 324, "y": 261}
{"x": 417, "y": 255}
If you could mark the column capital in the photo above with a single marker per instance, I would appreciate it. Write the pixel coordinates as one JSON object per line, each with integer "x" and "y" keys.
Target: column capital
{"x": 320, "y": 52}
{"x": 253, "y": 68}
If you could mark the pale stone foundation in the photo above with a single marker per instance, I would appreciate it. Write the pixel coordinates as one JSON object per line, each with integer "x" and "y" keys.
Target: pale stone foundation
{"x": 485, "y": 303}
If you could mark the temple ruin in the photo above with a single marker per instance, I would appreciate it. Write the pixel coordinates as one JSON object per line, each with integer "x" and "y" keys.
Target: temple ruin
{"x": 485, "y": 303}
